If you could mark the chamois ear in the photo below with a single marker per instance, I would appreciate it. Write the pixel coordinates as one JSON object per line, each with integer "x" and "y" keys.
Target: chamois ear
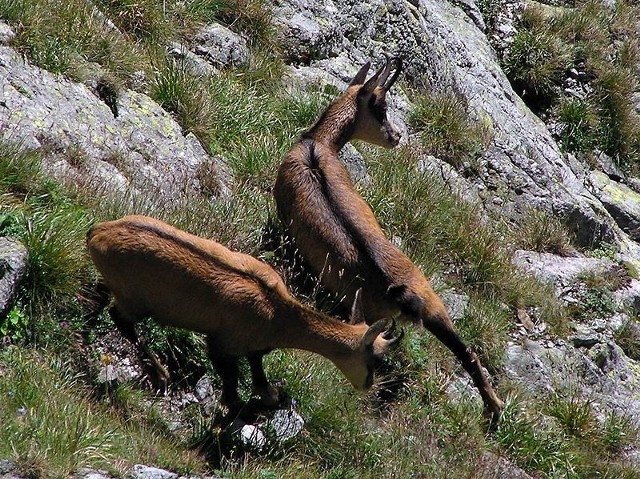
{"x": 396, "y": 291}
{"x": 372, "y": 333}
{"x": 361, "y": 76}
{"x": 372, "y": 82}
{"x": 357, "y": 314}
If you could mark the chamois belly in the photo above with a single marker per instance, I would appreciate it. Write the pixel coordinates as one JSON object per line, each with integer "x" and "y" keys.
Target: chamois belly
{"x": 176, "y": 297}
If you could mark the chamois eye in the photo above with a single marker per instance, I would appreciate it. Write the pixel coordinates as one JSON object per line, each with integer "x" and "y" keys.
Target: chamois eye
{"x": 378, "y": 108}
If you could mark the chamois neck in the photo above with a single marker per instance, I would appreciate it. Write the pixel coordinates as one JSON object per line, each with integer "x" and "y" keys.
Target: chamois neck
{"x": 336, "y": 124}
{"x": 316, "y": 332}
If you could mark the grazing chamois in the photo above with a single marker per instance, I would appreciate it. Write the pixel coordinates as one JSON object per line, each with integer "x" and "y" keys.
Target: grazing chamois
{"x": 239, "y": 303}
{"x": 336, "y": 232}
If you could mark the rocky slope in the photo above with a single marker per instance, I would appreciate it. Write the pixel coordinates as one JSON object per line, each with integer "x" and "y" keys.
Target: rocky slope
{"x": 445, "y": 47}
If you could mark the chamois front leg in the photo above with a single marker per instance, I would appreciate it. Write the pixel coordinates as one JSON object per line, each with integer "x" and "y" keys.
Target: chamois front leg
{"x": 151, "y": 364}
{"x": 227, "y": 368}
{"x": 429, "y": 310}
{"x": 269, "y": 395}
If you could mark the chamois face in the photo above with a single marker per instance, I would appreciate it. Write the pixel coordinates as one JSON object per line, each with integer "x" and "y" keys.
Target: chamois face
{"x": 372, "y": 123}
{"x": 375, "y": 342}
{"x": 360, "y": 369}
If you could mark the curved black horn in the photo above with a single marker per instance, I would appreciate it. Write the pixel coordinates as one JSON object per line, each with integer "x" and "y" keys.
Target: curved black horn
{"x": 397, "y": 339}
{"x": 388, "y": 334}
{"x": 374, "y": 80}
{"x": 372, "y": 333}
{"x": 398, "y": 68}
{"x": 388, "y": 64}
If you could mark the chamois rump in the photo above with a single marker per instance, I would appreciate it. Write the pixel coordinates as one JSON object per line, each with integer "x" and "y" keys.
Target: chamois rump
{"x": 336, "y": 232}
{"x": 239, "y": 303}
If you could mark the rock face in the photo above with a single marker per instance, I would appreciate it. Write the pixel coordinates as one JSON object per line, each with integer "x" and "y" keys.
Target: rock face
{"x": 142, "y": 147}
{"x": 13, "y": 266}
{"x": 442, "y": 47}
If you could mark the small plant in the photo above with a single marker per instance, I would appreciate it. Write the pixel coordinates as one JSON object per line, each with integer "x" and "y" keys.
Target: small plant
{"x": 446, "y": 130}
{"x": 604, "y": 250}
{"x": 578, "y": 125}
{"x": 628, "y": 338}
{"x": 543, "y": 233}
{"x": 186, "y": 96}
{"x": 595, "y": 303}
{"x": 619, "y": 122}
{"x": 574, "y": 414}
{"x": 618, "y": 432}
{"x": 14, "y": 327}
{"x": 57, "y": 265}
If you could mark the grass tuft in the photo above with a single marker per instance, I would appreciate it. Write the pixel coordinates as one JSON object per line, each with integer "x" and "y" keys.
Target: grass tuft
{"x": 51, "y": 429}
{"x": 535, "y": 65}
{"x": 542, "y": 233}
{"x": 446, "y": 130}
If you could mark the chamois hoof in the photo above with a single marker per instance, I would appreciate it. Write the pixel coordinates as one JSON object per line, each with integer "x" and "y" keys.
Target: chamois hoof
{"x": 158, "y": 376}
{"x": 493, "y": 414}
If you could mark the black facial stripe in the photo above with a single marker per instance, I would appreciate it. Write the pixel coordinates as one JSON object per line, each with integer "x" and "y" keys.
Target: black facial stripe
{"x": 378, "y": 107}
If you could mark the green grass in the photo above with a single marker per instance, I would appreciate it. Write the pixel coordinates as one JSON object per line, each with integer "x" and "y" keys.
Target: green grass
{"x": 421, "y": 429}
{"x": 541, "y": 232}
{"x": 603, "y": 43}
{"x": 446, "y": 131}
{"x": 51, "y": 226}
{"x": 62, "y": 36}
{"x": 535, "y": 445}
{"x": 535, "y": 65}
{"x": 51, "y": 427}
{"x": 579, "y": 123}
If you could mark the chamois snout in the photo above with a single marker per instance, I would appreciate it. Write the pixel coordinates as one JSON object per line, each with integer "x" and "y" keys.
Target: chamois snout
{"x": 392, "y": 135}
{"x": 376, "y": 341}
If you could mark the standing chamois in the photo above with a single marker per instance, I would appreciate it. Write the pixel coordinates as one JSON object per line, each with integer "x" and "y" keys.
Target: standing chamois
{"x": 336, "y": 232}
{"x": 240, "y": 304}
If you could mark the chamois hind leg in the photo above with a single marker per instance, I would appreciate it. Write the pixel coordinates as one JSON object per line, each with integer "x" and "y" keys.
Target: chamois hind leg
{"x": 269, "y": 395}
{"x": 431, "y": 312}
{"x": 227, "y": 368}
{"x": 442, "y": 328}
{"x": 150, "y": 362}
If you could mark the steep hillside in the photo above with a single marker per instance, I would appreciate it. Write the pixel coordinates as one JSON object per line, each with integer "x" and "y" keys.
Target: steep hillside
{"x": 514, "y": 189}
